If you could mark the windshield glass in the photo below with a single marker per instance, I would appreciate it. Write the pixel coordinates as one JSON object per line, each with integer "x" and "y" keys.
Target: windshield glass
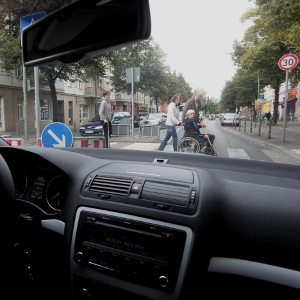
{"x": 225, "y": 67}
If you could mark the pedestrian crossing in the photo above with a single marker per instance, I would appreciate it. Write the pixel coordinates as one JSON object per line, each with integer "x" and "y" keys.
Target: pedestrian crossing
{"x": 273, "y": 155}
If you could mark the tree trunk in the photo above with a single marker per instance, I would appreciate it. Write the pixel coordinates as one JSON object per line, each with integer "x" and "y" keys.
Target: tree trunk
{"x": 53, "y": 98}
{"x": 156, "y": 103}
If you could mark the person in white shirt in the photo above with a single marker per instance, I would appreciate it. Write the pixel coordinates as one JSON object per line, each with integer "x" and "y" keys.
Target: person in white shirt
{"x": 172, "y": 121}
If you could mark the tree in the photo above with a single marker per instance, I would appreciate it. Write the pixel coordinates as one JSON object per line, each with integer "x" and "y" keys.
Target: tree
{"x": 11, "y": 51}
{"x": 265, "y": 42}
{"x": 156, "y": 78}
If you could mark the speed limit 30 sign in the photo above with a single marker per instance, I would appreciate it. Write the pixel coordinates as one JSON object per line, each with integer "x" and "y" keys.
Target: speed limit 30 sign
{"x": 288, "y": 62}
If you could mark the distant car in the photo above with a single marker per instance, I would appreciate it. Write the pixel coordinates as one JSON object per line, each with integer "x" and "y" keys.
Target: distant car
{"x": 138, "y": 120}
{"x": 212, "y": 117}
{"x": 94, "y": 127}
{"x": 155, "y": 119}
{"x": 116, "y": 117}
{"x": 230, "y": 118}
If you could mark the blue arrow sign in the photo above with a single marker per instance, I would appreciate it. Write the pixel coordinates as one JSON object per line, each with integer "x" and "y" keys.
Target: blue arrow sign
{"x": 30, "y": 19}
{"x": 57, "y": 135}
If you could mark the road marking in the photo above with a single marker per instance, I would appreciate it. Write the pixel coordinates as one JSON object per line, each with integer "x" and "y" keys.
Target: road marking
{"x": 237, "y": 153}
{"x": 142, "y": 146}
{"x": 296, "y": 150}
{"x": 278, "y": 157}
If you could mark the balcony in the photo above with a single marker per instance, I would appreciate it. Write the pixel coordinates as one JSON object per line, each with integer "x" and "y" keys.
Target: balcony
{"x": 90, "y": 92}
{"x": 44, "y": 84}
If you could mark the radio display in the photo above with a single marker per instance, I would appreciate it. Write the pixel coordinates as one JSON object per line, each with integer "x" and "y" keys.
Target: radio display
{"x": 38, "y": 187}
{"x": 131, "y": 242}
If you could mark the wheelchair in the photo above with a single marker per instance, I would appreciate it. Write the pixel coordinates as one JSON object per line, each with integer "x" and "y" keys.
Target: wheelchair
{"x": 193, "y": 143}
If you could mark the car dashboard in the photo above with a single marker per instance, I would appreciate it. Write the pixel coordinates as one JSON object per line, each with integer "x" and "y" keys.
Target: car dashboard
{"x": 106, "y": 223}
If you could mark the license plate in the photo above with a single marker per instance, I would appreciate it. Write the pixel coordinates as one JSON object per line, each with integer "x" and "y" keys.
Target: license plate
{"x": 89, "y": 131}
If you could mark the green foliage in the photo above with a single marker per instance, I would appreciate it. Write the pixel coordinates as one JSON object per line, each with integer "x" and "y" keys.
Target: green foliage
{"x": 266, "y": 41}
{"x": 272, "y": 122}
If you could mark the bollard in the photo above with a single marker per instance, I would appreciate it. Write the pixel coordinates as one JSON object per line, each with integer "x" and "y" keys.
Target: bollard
{"x": 240, "y": 124}
{"x": 269, "y": 136}
{"x": 255, "y": 123}
{"x": 74, "y": 127}
{"x": 251, "y": 125}
{"x": 234, "y": 123}
{"x": 259, "y": 128}
{"x": 17, "y": 129}
{"x": 245, "y": 126}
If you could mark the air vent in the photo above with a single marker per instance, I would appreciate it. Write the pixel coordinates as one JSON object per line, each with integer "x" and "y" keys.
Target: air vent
{"x": 111, "y": 185}
{"x": 172, "y": 194}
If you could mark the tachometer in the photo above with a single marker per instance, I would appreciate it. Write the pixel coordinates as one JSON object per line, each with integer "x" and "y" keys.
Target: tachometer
{"x": 56, "y": 192}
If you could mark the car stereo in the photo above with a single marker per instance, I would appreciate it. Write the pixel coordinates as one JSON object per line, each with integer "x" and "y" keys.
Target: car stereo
{"x": 142, "y": 251}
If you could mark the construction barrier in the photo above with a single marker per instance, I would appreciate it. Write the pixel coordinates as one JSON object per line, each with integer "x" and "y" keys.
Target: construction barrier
{"x": 89, "y": 142}
{"x": 84, "y": 142}
{"x": 14, "y": 141}
{"x": 149, "y": 131}
{"x": 121, "y": 129}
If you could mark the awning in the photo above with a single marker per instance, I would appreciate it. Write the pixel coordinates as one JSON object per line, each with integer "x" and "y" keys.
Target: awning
{"x": 288, "y": 100}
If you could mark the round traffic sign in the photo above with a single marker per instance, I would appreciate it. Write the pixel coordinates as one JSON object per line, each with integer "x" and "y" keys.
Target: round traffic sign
{"x": 288, "y": 62}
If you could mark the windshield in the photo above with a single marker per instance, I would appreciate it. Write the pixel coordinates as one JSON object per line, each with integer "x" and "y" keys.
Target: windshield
{"x": 219, "y": 63}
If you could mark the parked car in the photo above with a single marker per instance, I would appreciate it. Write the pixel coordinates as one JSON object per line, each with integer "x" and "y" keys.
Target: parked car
{"x": 212, "y": 117}
{"x": 138, "y": 120}
{"x": 94, "y": 127}
{"x": 229, "y": 118}
{"x": 116, "y": 117}
{"x": 155, "y": 119}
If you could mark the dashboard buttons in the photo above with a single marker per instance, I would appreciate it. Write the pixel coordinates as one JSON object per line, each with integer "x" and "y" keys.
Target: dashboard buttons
{"x": 163, "y": 281}
{"x": 79, "y": 257}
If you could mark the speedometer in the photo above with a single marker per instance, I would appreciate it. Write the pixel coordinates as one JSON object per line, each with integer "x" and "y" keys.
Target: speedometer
{"x": 20, "y": 181}
{"x": 56, "y": 192}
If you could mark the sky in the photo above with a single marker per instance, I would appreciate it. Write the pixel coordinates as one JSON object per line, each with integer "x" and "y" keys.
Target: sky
{"x": 197, "y": 36}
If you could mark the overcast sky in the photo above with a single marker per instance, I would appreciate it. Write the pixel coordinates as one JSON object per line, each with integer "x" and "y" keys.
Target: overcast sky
{"x": 196, "y": 35}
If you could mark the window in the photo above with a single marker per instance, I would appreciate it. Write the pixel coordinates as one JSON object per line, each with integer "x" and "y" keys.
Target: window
{"x": 20, "y": 108}
{"x": 83, "y": 112}
{"x": 79, "y": 84}
{"x": 44, "y": 108}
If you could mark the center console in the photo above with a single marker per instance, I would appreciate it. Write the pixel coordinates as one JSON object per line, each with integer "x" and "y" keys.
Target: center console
{"x": 115, "y": 254}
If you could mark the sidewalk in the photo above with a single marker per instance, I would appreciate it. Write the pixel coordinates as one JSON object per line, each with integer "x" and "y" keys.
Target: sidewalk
{"x": 291, "y": 146}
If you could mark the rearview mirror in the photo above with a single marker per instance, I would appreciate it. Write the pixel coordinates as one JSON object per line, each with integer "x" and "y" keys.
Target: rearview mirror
{"x": 84, "y": 29}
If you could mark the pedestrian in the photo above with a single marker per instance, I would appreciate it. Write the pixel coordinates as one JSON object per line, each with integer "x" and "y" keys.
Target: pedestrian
{"x": 172, "y": 121}
{"x": 268, "y": 116}
{"x": 191, "y": 127}
{"x": 105, "y": 117}
{"x": 195, "y": 104}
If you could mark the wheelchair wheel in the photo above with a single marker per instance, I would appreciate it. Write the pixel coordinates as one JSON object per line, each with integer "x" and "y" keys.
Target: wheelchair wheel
{"x": 189, "y": 144}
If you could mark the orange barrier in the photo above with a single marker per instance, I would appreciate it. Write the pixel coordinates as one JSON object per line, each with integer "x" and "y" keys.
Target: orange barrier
{"x": 14, "y": 141}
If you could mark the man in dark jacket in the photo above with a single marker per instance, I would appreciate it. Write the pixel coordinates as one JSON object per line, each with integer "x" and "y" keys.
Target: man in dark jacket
{"x": 194, "y": 104}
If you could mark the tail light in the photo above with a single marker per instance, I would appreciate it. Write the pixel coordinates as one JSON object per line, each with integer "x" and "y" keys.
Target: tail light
{"x": 224, "y": 118}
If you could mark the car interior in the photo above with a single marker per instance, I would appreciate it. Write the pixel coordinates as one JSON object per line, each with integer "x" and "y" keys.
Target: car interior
{"x": 84, "y": 223}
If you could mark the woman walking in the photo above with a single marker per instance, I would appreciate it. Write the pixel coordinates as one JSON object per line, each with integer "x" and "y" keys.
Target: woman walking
{"x": 172, "y": 121}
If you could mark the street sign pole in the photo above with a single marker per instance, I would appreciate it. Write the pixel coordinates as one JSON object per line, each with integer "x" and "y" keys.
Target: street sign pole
{"x": 25, "y": 104}
{"x": 287, "y": 62}
{"x": 132, "y": 76}
{"x": 285, "y": 103}
{"x": 37, "y": 102}
{"x": 132, "y": 103}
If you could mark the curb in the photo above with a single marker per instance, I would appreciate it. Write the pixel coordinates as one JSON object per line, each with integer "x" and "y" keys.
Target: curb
{"x": 279, "y": 148}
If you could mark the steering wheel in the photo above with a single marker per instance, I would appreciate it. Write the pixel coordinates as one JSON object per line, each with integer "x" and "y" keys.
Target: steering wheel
{"x": 7, "y": 227}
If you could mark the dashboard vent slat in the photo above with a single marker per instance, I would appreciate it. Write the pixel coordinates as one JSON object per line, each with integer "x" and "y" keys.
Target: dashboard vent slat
{"x": 111, "y": 185}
